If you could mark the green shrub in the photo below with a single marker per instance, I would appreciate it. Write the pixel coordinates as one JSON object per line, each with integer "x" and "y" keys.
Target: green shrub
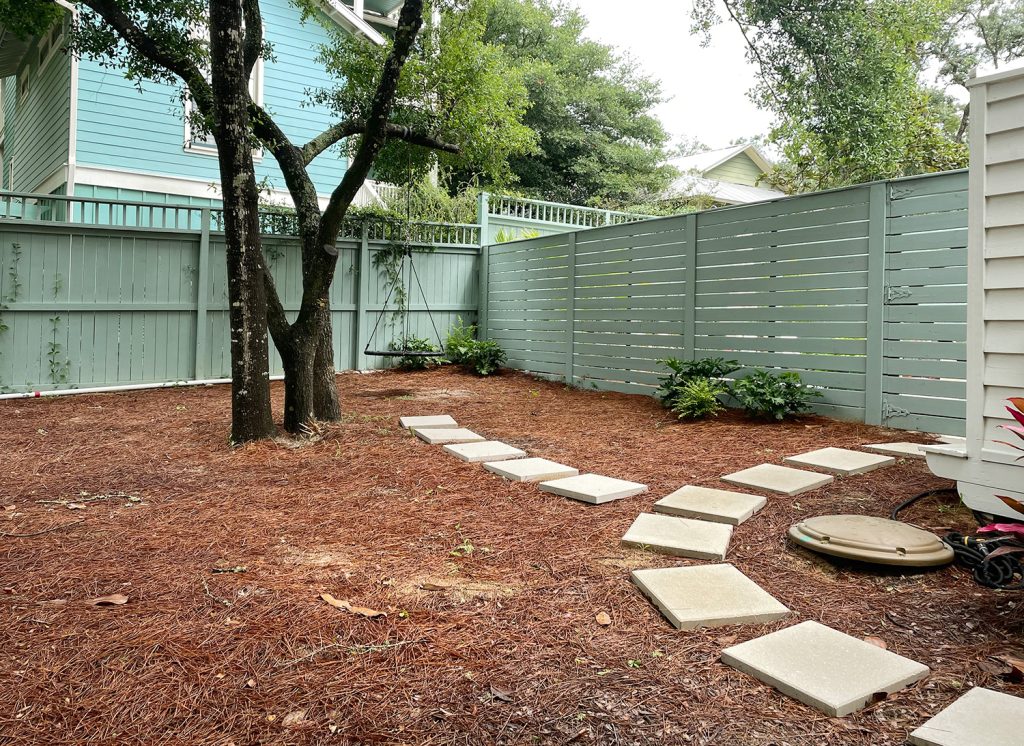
{"x": 699, "y": 398}
{"x": 768, "y": 396}
{"x": 484, "y": 358}
{"x": 414, "y": 344}
{"x": 683, "y": 371}
{"x": 461, "y": 338}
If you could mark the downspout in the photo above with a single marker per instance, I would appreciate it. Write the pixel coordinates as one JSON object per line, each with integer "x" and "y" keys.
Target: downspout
{"x": 72, "y": 113}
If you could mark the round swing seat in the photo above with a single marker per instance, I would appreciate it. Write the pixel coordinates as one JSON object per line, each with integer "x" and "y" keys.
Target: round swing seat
{"x": 404, "y": 353}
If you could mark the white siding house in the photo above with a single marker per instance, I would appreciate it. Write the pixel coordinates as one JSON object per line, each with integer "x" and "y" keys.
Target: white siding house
{"x": 986, "y": 470}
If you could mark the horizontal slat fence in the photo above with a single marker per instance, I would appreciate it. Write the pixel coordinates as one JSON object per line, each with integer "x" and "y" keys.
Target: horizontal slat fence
{"x": 860, "y": 290}
{"x": 102, "y": 305}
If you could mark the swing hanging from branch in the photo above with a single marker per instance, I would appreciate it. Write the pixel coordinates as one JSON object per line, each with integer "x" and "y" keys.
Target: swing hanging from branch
{"x": 397, "y": 281}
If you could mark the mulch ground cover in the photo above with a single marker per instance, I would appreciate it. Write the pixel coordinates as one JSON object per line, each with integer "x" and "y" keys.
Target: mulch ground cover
{"x": 491, "y": 589}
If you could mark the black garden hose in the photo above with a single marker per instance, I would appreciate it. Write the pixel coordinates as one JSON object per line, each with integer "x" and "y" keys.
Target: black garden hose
{"x": 927, "y": 493}
{"x": 1003, "y": 572}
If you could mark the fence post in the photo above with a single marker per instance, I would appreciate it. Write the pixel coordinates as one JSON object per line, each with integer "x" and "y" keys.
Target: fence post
{"x": 570, "y": 312}
{"x": 362, "y": 296}
{"x": 878, "y": 212}
{"x": 483, "y": 214}
{"x": 482, "y": 289}
{"x": 690, "y": 293}
{"x": 201, "y": 369}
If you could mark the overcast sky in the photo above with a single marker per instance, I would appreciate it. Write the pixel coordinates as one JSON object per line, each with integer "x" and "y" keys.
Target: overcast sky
{"x": 707, "y": 88}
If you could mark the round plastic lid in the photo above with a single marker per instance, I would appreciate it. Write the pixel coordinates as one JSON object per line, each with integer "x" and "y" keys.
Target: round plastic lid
{"x": 869, "y": 539}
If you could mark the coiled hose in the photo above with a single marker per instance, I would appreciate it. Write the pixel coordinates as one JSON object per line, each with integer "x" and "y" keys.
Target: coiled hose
{"x": 1003, "y": 571}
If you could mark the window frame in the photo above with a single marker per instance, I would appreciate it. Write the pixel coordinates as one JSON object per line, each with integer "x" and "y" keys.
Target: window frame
{"x": 210, "y": 149}
{"x": 56, "y": 41}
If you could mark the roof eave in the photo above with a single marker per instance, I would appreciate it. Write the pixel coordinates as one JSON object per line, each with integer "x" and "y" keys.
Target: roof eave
{"x": 345, "y": 17}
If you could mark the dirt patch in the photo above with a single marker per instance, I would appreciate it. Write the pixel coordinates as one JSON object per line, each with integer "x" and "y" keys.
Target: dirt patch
{"x": 507, "y": 650}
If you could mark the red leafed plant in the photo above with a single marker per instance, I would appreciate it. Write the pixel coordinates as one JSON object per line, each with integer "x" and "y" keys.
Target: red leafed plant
{"x": 1016, "y": 410}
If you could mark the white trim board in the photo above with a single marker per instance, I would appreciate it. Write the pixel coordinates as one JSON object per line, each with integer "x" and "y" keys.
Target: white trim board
{"x": 163, "y": 184}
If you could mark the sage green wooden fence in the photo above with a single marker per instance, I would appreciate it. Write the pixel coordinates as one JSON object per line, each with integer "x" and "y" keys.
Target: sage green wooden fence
{"x": 861, "y": 290}
{"x": 104, "y": 304}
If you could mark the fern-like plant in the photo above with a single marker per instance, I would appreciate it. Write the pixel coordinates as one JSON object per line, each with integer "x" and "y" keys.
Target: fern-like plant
{"x": 699, "y": 398}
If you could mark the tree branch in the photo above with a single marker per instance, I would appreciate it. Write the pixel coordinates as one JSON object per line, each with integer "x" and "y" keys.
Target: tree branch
{"x": 348, "y": 128}
{"x": 253, "y": 44}
{"x": 375, "y": 133}
{"x": 174, "y": 61}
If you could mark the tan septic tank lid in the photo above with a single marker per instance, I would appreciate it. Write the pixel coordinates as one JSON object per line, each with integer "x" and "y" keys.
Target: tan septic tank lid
{"x": 869, "y": 539}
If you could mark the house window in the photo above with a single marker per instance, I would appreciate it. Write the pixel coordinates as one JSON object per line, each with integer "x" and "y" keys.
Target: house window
{"x": 50, "y": 43}
{"x": 203, "y": 143}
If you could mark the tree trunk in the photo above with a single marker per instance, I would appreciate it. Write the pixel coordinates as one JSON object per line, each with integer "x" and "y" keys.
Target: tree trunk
{"x": 326, "y": 406}
{"x": 251, "y": 417}
{"x": 310, "y": 391}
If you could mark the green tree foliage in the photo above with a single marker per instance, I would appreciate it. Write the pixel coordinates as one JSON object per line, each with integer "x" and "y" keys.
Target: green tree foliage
{"x": 978, "y": 33}
{"x": 589, "y": 107}
{"x": 843, "y": 78}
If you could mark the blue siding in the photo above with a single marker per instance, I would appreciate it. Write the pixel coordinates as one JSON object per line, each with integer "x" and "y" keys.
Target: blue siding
{"x": 118, "y": 127}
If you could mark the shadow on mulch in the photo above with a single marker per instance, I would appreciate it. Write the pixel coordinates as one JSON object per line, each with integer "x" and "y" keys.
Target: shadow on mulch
{"x": 491, "y": 588}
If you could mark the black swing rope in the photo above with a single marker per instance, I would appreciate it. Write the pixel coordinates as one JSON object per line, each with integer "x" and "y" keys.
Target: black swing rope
{"x": 413, "y": 274}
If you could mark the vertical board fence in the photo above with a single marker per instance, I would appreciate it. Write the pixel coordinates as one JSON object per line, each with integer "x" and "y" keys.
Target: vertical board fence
{"x": 860, "y": 290}
{"x": 102, "y": 305}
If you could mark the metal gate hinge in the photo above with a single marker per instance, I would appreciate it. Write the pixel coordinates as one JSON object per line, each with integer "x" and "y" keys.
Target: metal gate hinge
{"x": 893, "y": 292}
{"x": 889, "y": 411}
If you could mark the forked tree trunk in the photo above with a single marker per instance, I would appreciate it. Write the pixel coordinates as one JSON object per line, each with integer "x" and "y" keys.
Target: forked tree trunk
{"x": 326, "y": 406}
{"x": 251, "y": 417}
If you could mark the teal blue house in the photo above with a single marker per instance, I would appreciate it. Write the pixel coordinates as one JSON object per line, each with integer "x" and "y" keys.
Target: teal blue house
{"x": 72, "y": 127}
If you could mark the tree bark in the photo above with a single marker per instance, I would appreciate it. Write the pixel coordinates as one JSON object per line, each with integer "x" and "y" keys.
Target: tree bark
{"x": 251, "y": 416}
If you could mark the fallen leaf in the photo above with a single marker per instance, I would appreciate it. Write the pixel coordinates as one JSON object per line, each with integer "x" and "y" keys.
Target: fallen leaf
{"x": 116, "y": 599}
{"x": 250, "y": 684}
{"x": 503, "y": 694}
{"x": 1011, "y": 503}
{"x": 603, "y": 619}
{"x": 1016, "y": 672}
{"x": 727, "y": 640}
{"x": 293, "y": 718}
{"x": 237, "y": 569}
{"x": 878, "y": 642}
{"x": 346, "y": 606}
{"x": 76, "y": 506}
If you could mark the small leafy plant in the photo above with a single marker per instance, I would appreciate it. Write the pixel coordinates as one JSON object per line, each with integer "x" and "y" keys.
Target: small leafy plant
{"x": 414, "y": 344}
{"x": 484, "y": 357}
{"x": 684, "y": 371}
{"x": 768, "y": 396}
{"x": 461, "y": 338}
{"x": 699, "y": 398}
{"x": 1016, "y": 410}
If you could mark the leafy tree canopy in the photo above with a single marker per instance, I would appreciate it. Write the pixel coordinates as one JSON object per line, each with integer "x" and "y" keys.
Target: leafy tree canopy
{"x": 843, "y": 78}
{"x": 589, "y": 107}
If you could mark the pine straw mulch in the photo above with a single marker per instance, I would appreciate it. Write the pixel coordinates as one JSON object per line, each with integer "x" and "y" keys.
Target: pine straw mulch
{"x": 491, "y": 588}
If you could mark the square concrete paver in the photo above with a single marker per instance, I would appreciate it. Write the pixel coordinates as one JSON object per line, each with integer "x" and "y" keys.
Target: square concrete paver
{"x": 824, "y": 668}
{"x": 434, "y": 420}
{"x": 486, "y": 450}
{"x": 841, "y": 461}
{"x": 900, "y": 450}
{"x": 981, "y": 716}
{"x": 437, "y": 435}
{"x": 531, "y": 470}
{"x": 593, "y": 488}
{"x": 707, "y": 596}
{"x": 775, "y": 478}
{"x": 680, "y": 537}
{"x": 720, "y": 506}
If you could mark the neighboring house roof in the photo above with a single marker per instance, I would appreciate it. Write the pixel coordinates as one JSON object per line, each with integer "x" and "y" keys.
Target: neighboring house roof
{"x": 707, "y": 174}
{"x": 12, "y": 51}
